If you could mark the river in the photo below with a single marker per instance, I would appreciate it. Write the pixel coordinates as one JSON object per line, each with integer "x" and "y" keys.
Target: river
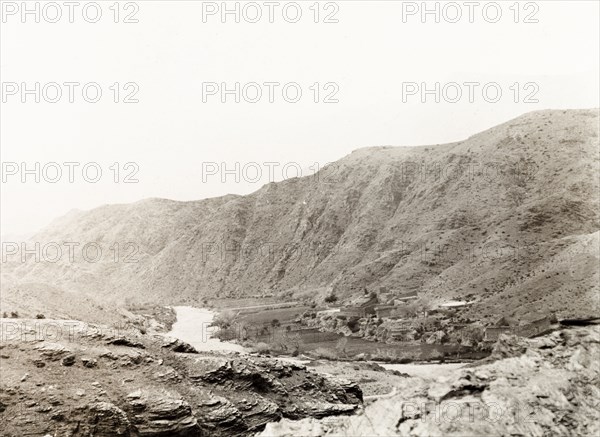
{"x": 193, "y": 327}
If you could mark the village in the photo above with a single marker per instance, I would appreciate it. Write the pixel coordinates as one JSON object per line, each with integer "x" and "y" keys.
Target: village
{"x": 384, "y": 324}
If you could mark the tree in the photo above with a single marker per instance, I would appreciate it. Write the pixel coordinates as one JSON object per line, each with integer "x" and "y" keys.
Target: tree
{"x": 472, "y": 335}
{"x": 282, "y": 341}
{"x": 225, "y": 319}
{"x": 275, "y": 323}
{"x": 295, "y": 340}
{"x": 422, "y": 305}
{"x": 353, "y": 324}
{"x": 341, "y": 345}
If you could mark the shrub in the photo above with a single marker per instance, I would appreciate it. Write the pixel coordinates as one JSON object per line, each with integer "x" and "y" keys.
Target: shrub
{"x": 262, "y": 348}
{"x": 14, "y": 314}
{"x": 40, "y": 316}
{"x": 5, "y": 315}
{"x": 331, "y": 298}
{"x": 224, "y": 319}
{"x": 224, "y": 334}
{"x": 433, "y": 355}
{"x": 325, "y": 353}
{"x": 353, "y": 324}
{"x": 472, "y": 335}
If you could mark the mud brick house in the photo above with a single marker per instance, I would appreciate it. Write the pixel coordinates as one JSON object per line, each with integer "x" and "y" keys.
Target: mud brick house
{"x": 537, "y": 327}
{"x": 360, "y": 307}
{"x": 384, "y": 310}
{"x": 400, "y": 330}
{"x": 405, "y": 297}
{"x": 502, "y": 326}
{"x": 492, "y": 333}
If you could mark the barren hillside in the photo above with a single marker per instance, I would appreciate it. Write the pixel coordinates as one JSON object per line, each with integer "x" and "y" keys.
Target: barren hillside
{"x": 508, "y": 217}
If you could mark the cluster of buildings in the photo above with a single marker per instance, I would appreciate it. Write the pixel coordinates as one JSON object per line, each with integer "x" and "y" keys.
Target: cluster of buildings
{"x": 371, "y": 304}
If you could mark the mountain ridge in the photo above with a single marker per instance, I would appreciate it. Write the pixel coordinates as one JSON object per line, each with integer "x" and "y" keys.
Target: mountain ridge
{"x": 488, "y": 218}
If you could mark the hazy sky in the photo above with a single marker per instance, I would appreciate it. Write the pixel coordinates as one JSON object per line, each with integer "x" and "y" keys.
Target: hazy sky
{"x": 171, "y": 133}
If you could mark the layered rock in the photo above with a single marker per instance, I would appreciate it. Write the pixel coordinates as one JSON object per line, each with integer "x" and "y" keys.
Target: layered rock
{"x": 108, "y": 384}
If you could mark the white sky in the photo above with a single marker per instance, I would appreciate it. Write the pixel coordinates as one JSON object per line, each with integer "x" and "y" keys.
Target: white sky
{"x": 171, "y": 132}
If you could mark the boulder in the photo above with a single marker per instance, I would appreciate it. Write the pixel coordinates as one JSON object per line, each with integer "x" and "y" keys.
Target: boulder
{"x": 52, "y": 351}
{"x": 69, "y": 360}
{"x": 106, "y": 419}
{"x": 177, "y": 345}
{"x": 159, "y": 413}
{"x": 89, "y": 362}
{"x": 123, "y": 341}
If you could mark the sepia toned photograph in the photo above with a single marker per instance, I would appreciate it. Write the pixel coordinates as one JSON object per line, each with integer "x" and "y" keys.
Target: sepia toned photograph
{"x": 350, "y": 218}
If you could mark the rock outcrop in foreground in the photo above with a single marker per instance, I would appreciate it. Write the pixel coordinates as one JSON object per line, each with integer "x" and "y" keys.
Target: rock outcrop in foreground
{"x": 542, "y": 386}
{"x": 65, "y": 378}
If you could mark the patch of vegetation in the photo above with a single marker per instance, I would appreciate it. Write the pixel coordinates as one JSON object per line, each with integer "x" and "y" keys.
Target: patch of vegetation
{"x": 224, "y": 319}
{"x": 331, "y": 298}
{"x": 353, "y": 324}
{"x": 341, "y": 346}
{"x": 325, "y": 353}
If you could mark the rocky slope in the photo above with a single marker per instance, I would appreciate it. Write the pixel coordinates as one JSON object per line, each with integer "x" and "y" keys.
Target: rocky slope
{"x": 508, "y": 217}
{"x": 67, "y": 378}
{"x": 543, "y": 386}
